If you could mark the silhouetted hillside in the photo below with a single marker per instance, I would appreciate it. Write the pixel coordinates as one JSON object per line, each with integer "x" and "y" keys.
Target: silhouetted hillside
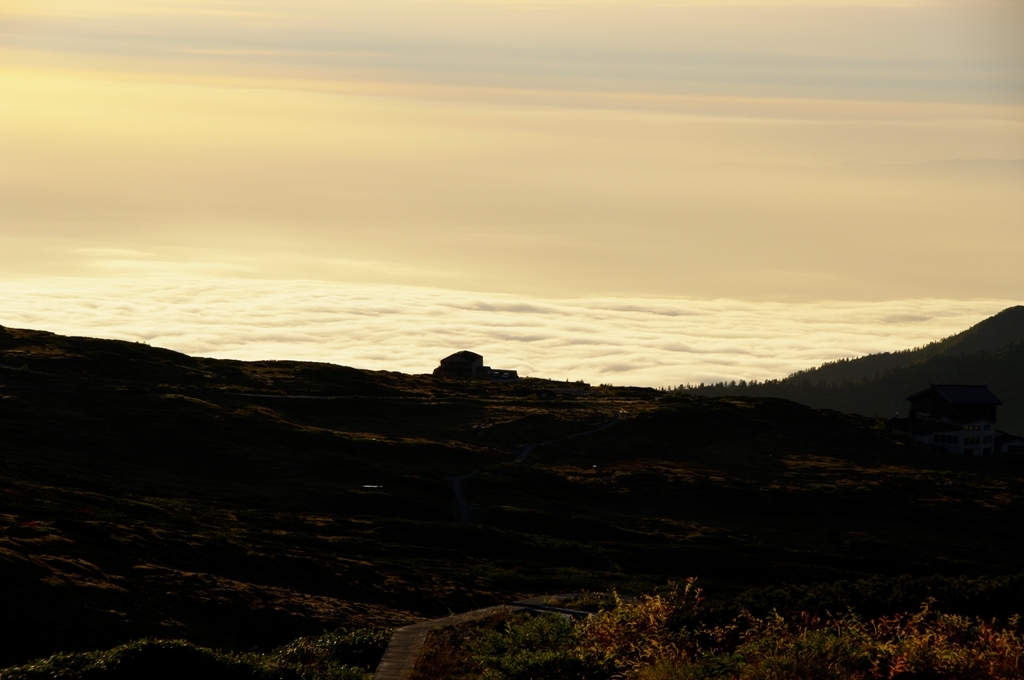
{"x": 992, "y": 334}
{"x": 145, "y": 493}
{"x": 989, "y": 353}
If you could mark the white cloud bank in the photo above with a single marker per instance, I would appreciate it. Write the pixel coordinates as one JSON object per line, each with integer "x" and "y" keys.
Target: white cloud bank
{"x": 637, "y": 341}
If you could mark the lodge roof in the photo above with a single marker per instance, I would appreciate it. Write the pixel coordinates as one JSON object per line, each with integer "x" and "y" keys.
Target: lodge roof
{"x": 961, "y": 394}
{"x": 465, "y": 356}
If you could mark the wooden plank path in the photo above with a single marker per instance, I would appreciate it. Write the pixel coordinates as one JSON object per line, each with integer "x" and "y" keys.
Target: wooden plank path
{"x": 407, "y": 643}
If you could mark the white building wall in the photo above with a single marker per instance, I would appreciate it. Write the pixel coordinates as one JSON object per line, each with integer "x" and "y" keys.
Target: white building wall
{"x": 974, "y": 440}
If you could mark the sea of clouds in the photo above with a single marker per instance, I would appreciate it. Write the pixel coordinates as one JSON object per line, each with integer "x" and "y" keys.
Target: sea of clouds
{"x": 635, "y": 341}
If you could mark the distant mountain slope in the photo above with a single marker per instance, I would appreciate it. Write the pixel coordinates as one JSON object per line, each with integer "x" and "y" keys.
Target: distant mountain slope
{"x": 990, "y": 335}
{"x": 989, "y": 353}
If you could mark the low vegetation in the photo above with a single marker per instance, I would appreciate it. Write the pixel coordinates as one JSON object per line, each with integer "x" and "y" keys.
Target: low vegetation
{"x": 340, "y": 655}
{"x": 671, "y": 636}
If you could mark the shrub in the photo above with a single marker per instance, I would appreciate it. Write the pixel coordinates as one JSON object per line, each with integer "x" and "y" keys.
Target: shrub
{"x": 361, "y": 647}
{"x": 924, "y": 645}
{"x": 635, "y": 634}
{"x": 143, "y": 659}
{"x": 545, "y": 646}
{"x": 343, "y": 655}
{"x": 635, "y": 640}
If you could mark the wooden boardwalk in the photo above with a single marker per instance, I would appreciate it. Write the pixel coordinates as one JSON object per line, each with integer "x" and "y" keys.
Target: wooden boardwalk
{"x": 407, "y": 644}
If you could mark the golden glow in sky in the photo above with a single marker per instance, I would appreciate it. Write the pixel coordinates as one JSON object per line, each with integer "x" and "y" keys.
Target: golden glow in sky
{"x": 758, "y": 151}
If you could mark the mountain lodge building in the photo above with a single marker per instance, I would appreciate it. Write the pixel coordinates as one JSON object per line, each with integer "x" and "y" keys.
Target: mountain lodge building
{"x": 470, "y": 365}
{"x": 958, "y": 418}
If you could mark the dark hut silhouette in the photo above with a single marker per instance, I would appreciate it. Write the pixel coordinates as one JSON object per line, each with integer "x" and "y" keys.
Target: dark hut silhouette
{"x": 468, "y": 365}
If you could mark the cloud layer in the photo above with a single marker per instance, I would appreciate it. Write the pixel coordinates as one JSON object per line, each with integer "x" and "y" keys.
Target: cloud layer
{"x": 637, "y": 341}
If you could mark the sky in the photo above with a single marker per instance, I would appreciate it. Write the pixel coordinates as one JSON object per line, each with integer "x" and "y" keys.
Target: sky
{"x": 797, "y": 181}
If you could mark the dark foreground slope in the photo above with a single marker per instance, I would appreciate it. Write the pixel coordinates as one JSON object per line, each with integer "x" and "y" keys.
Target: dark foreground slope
{"x": 989, "y": 353}
{"x": 239, "y": 505}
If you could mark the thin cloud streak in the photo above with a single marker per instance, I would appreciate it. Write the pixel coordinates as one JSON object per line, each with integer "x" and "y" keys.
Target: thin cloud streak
{"x": 653, "y": 341}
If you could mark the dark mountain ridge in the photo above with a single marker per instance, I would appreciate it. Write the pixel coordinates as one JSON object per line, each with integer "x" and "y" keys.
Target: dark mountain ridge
{"x": 992, "y": 334}
{"x": 989, "y": 353}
